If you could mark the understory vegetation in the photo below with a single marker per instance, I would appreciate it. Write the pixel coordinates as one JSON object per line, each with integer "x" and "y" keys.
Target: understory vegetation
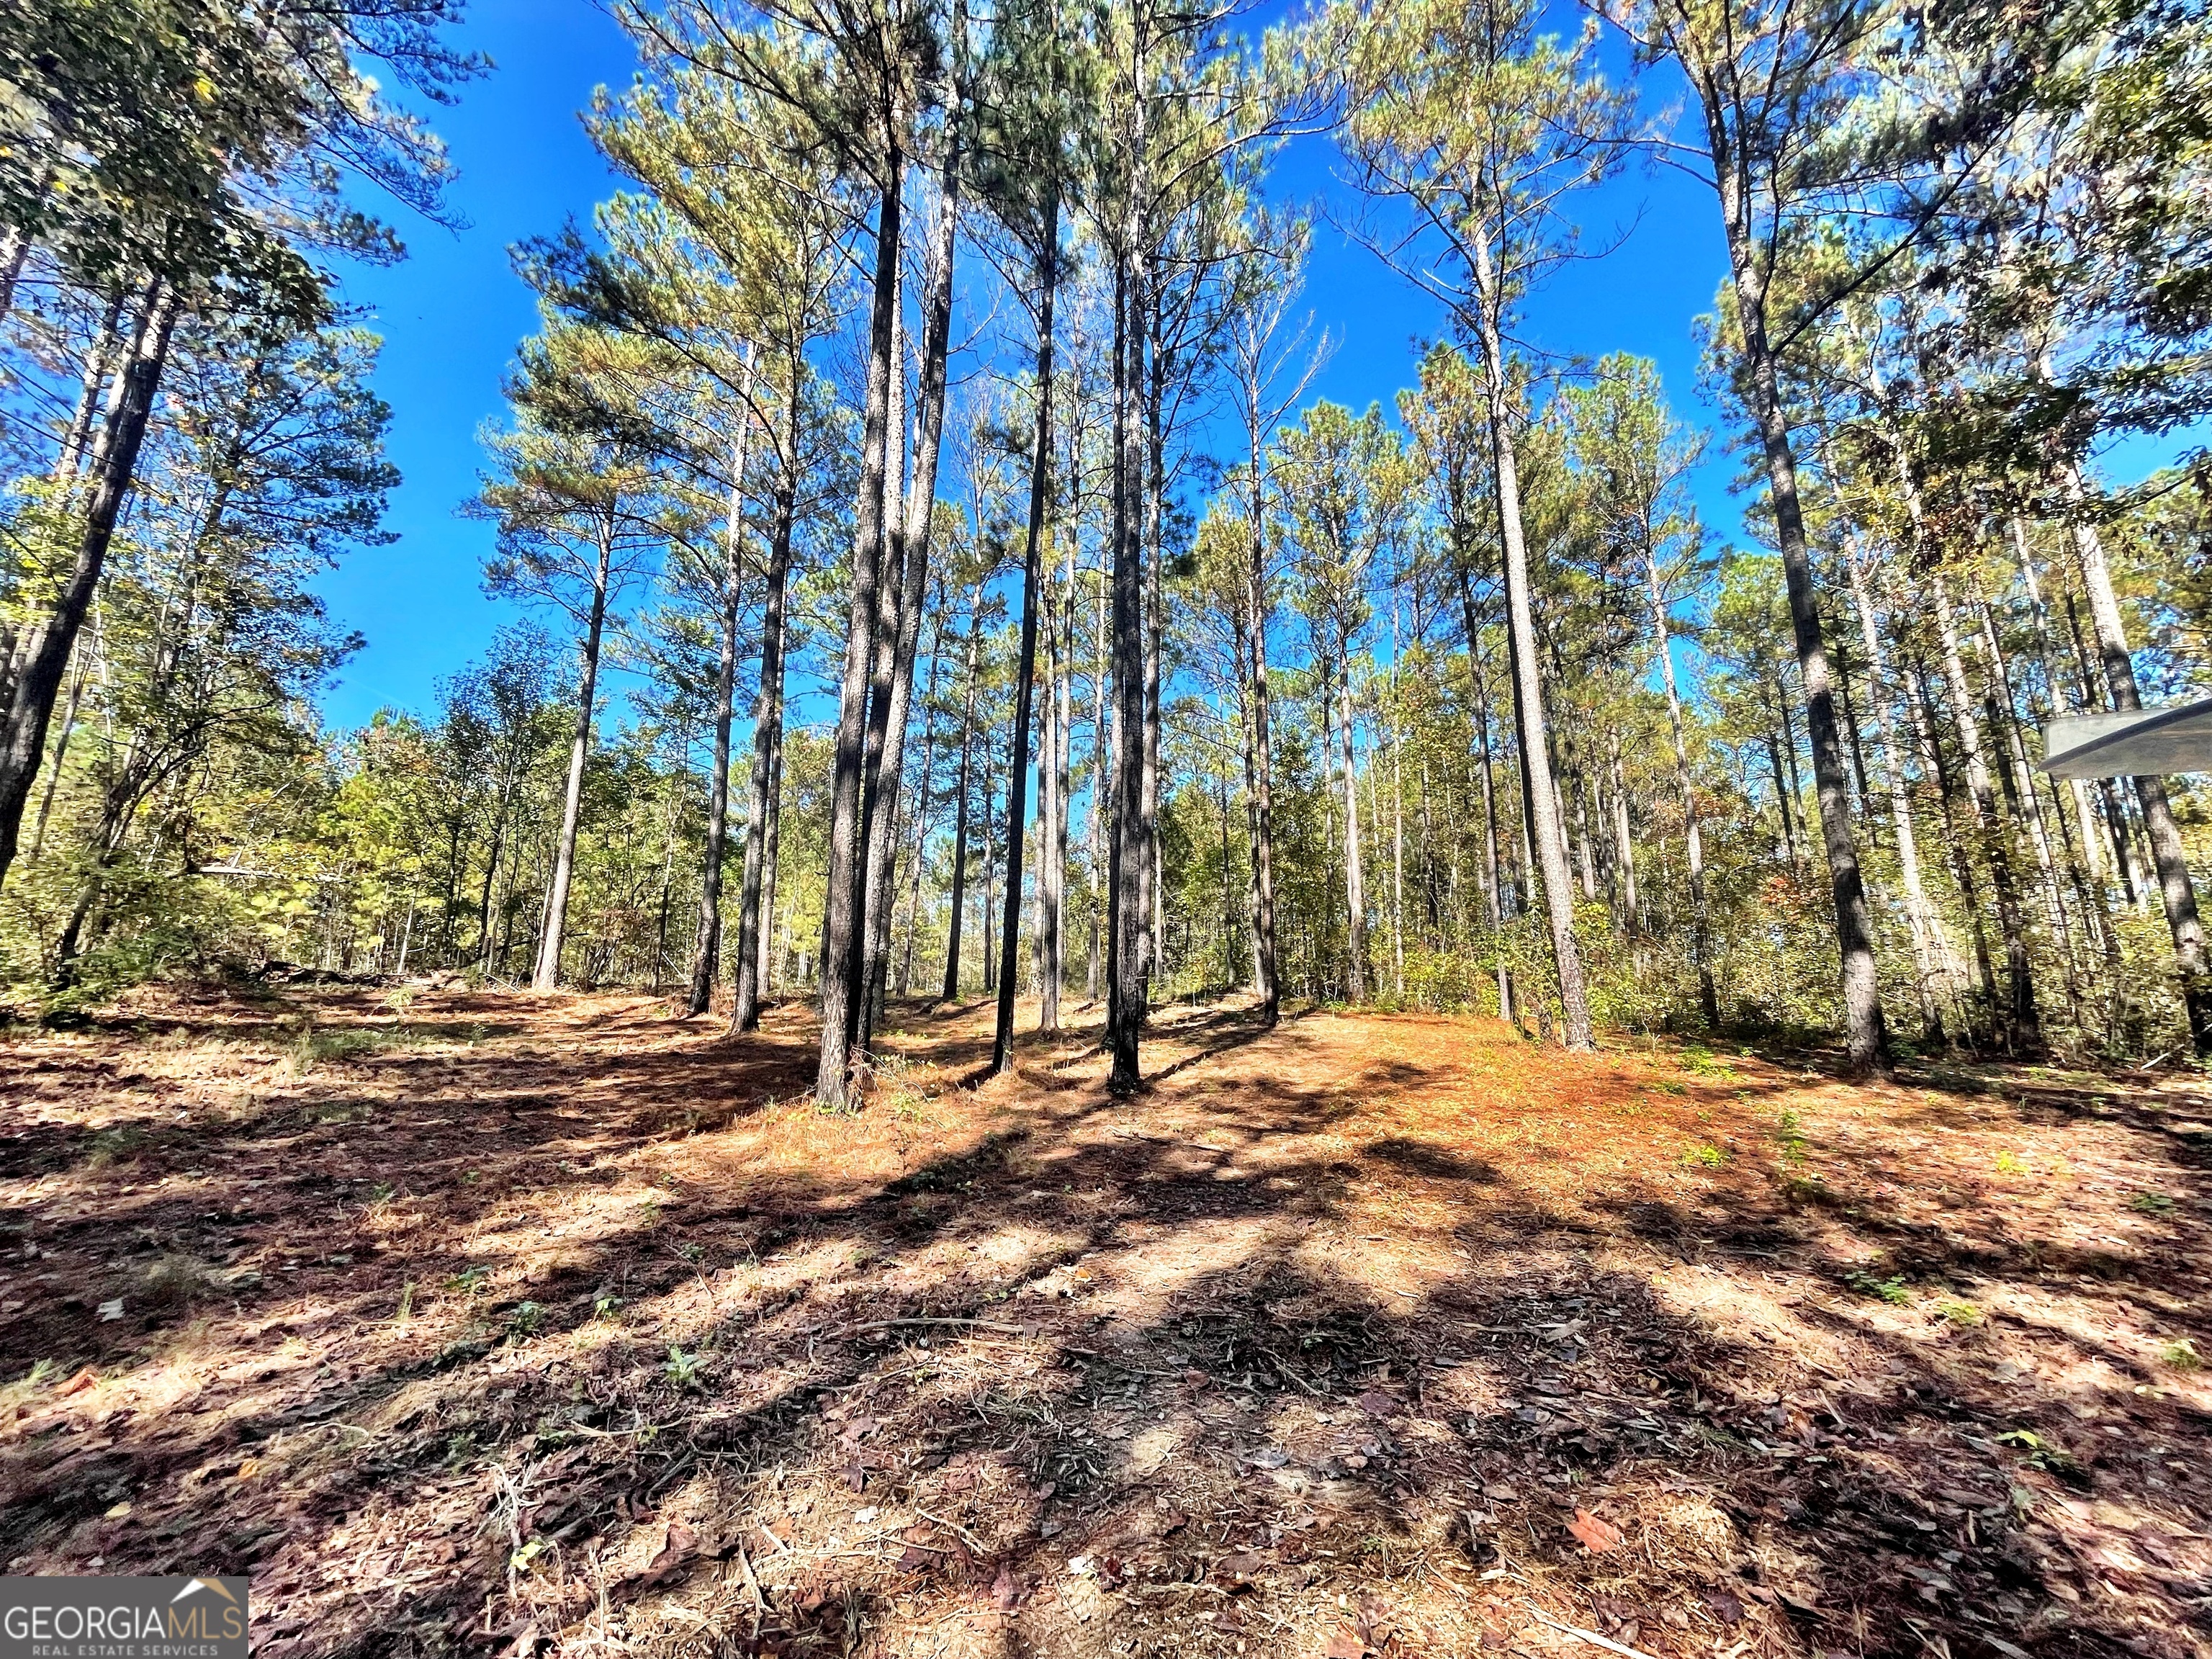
{"x": 939, "y": 577}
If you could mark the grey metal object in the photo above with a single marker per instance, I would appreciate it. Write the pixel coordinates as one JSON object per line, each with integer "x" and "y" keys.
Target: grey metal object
{"x": 2147, "y": 743}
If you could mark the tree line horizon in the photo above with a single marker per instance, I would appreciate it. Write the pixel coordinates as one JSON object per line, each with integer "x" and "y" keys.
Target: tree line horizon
{"x": 1145, "y": 674}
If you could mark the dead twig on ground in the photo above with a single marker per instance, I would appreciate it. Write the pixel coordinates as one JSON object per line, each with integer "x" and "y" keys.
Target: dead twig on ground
{"x": 1589, "y": 1636}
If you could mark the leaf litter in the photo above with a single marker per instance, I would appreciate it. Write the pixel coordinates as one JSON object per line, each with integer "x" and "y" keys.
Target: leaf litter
{"x": 561, "y": 1326}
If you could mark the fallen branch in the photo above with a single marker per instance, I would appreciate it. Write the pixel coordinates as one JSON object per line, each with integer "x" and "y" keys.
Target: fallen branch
{"x": 1199, "y": 1587}
{"x": 973, "y": 1542}
{"x": 1589, "y": 1636}
{"x": 746, "y": 1566}
{"x": 971, "y": 1324}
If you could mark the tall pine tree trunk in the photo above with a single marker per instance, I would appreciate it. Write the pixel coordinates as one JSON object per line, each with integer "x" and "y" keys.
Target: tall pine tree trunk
{"x": 1102, "y": 797}
{"x": 1355, "y": 887}
{"x": 1033, "y": 600}
{"x": 1129, "y": 903}
{"x": 61, "y": 746}
{"x": 845, "y": 901}
{"x": 1154, "y": 501}
{"x": 960, "y": 810}
{"x": 1920, "y": 918}
{"x": 2058, "y": 687}
{"x": 2078, "y": 833}
{"x": 706, "y": 953}
{"x": 553, "y": 926}
{"x": 2019, "y": 1020}
{"x": 1065, "y": 790}
{"x": 756, "y": 904}
{"x": 775, "y": 939}
{"x": 1397, "y": 846}
{"x": 1585, "y": 844}
{"x": 675, "y": 792}
{"x": 1865, "y": 1041}
{"x": 1546, "y": 830}
{"x": 921, "y": 506}
{"x": 1701, "y": 931}
{"x": 1494, "y": 884}
{"x": 2097, "y": 693}
{"x": 991, "y": 963}
{"x": 879, "y": 795}
{"x": 1624, "y": 842}
{"x": 101, "y": 356}
{"x": 1923, "y": 705}
{"x": 1261, "y": 784}
{"x": 2021, "y": 800}
{"x": 1048, "y": 777}
{"x": 923, "y": 804}
{"x": 41, "y": 654}
{"x": 1052, "y": 793}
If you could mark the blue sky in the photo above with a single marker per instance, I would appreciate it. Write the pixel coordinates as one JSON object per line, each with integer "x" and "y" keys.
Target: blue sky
{"x": 453, "y": 312}
{"x": 451, "y": 315}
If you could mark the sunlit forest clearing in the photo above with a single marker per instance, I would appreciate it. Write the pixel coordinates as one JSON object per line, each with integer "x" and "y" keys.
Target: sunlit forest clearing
{"x": 1105, "y": 847}
{"x": 470, "y": 1320}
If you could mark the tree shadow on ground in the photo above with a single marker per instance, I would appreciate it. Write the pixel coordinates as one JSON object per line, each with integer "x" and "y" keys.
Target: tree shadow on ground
{"x": 1363, "y": 1328}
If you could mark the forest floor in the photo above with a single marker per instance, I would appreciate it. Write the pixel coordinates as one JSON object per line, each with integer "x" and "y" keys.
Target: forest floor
{"x": 494, "y": 1322}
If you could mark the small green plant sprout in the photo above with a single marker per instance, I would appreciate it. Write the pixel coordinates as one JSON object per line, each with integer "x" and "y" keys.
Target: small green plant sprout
{"x": 520, "y": 1561}
{"x": 606, "y": 1307}
{"x": 1790, "y": 1131}
{"x": 1963, "y": 1314}
{"x": 406, "y": 1303}
{"x": 469, "y": 1280}
{"x": 2181, "y": 1354}
{"x": 2011, "y": 1163}
{"x": 41, "y": 1372}
{"x": 682, "y": 1368}
{"x": 1893, "y": 1289}
{"x": 2151, "y": 1204}
{"x": 691, "y": 1253}
{"x": 380, "y": 1194}
{"x": 1702, "y": 1062}
{"x": 1705, "y": 1156}
{"x": 1805, "y": 1187}
{"x": 525, "y": 1318}
{"x": 2040, "y": 1453}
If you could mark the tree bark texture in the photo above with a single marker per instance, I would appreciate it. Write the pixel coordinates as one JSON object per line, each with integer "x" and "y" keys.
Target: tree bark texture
{"x": 706, "y": 953}
{"x": 1033, "y": 599}
{"x": 553, "y": 926}
{"x": 40, "y": 656}
{"x": 844, "y": 900}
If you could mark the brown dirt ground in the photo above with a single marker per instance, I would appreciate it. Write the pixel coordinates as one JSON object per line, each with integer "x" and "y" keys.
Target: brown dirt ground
{"x": 492, "y": 1323}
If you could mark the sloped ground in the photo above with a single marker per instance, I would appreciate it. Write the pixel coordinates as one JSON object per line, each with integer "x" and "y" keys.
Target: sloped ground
{"x": 485, "y": 1323}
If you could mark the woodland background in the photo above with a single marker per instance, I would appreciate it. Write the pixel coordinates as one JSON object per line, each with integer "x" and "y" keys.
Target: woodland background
{"x": 924, "y": 431}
